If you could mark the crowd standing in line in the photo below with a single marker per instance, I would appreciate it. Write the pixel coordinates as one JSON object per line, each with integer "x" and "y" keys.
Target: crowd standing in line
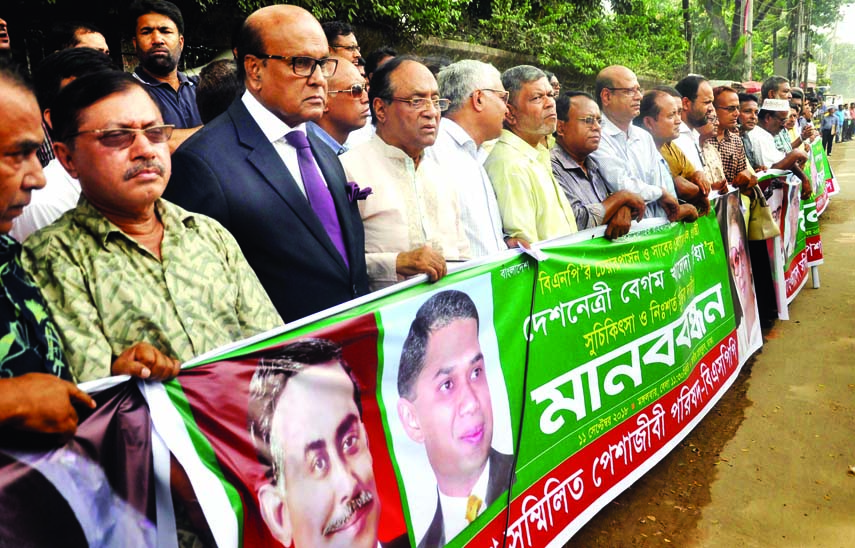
{"x": 302, "y": 175}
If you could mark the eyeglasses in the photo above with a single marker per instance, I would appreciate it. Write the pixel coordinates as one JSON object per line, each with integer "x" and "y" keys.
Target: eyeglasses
{"x": 351, "y": 49}
{"x": 732, "y": 108}
{"x": 503, "y": 95}
{"x": 421, "y": 103}
{"x": 628, "y": 91}
{"x": 355, "y": 91}
{"x": 541, "y": 97}
{"x": 589, "y": 120}
{"x": 304, "y": 66}
{"x": 122, "y": 138}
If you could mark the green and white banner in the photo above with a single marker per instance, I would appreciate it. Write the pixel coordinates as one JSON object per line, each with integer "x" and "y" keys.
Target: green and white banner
{"x": 501, "y": 406}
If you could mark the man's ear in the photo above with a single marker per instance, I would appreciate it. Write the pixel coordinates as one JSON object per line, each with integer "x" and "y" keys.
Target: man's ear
{"x": 63, "y": 154}
{"x": 407, "y": 414}
{"x": 379, "y": 108}
{"x": 559, "y": 128}
{"x": 134, "y": 42}
{"x": 477, "y": 99}
{"x": 274, "y": 511}
{"x": 252, "y": 67}
{"x": 605, "y": 97}
{"x": 647, "y": 123}
{"x": 687, "y": 103}
{"x": 46, "y": 117}
{"x": 510, "y": 117}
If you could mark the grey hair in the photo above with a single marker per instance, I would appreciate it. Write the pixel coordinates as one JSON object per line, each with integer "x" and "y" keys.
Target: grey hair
{"x": 458, "y": 80}
{"x": 515, "y": 77}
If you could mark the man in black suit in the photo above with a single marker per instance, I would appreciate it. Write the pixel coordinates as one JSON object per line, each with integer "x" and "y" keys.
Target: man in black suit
{"x": 445, "y": 404}
{"x": 243, "y": 170}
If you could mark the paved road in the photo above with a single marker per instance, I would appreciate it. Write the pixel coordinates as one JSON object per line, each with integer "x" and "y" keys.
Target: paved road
{"x": 785, "y": 481}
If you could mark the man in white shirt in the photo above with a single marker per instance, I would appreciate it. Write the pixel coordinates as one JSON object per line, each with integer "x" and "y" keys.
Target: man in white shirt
{"x": 412, "y": 219}
{"x": 61, "y": 190}
{"x": 697, "y": 103}
{"x": 627, "y": 155}
{"x": 478, "y": 102}
{"x": 771, "y": 118}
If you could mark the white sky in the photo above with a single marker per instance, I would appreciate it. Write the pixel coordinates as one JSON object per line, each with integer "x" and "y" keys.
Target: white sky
{"x": 844, "y": 28}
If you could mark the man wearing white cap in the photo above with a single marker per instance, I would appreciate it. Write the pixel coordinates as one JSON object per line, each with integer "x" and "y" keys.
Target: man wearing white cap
{"x": 772, "y": 116}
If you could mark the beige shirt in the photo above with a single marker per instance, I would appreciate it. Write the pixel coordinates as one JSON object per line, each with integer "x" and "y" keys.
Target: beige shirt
{"x": 409, "y": 208}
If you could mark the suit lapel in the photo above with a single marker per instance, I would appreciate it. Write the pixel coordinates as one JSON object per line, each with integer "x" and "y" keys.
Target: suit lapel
{"x": 266, "y": 160}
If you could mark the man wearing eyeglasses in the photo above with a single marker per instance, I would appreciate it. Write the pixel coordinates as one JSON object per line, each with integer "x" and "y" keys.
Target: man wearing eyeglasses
{"x": 728, "y": 142}
{"x": 627, "y": 154}
{"x": 157, "y": 28}
{"x": 280, "y": 192}
{"x": 341, "y": 40}
{"x": 532, "y": 205}
{"x": 412, "y": 221}
{"x": 135, "y": 284}
{"x": 477, "y": 107}
{"x": 346, "y": 109}
{"x": 578, "y": 135}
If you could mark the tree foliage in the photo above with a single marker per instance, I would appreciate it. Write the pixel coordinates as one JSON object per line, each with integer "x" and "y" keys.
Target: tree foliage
{"x": 718, "y": 43}
{"x": 584, "y": 37}
{"x": 656, "y": 38}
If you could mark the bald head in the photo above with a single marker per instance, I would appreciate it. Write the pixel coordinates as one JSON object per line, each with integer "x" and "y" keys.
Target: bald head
{"x": 262, "y": 24}
{"x": 618, "y": 95}
{"x": 608, "y": 77}
{"x": 269, "y": 41}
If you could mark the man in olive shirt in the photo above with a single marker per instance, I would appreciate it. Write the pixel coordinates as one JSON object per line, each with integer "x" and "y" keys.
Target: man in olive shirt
{"x": 134, "y": 283}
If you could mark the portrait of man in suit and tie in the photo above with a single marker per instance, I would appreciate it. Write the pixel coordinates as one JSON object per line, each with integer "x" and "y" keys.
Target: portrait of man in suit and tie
{"x": 445, "y": 405}
{"x": 305, "y": 420}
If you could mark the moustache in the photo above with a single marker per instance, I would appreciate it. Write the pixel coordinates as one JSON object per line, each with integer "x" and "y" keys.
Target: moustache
{"x": 355, "y": 504}
{"x": 143, "y": 166}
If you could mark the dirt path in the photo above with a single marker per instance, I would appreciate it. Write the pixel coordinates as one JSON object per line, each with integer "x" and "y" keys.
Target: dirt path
{"x": 769, "y": 465}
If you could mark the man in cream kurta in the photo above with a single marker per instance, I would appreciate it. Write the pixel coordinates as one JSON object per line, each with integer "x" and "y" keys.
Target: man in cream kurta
{"x": 412, "y": 218}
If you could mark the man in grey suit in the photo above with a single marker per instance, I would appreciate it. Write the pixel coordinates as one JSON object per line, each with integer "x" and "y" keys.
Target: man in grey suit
{"x": 282, "y": 195}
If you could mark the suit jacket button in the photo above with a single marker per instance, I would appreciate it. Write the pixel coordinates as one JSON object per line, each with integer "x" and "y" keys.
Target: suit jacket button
{"x": 354, "y": 290}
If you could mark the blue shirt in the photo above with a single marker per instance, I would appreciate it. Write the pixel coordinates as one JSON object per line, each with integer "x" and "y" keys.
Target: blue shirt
{"x": 828, "y": 121}
{"x": 177, "y": 107}
{"x": 320, "y": 132}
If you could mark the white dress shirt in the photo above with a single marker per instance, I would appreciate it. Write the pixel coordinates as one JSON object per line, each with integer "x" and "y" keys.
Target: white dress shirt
{"x": 456, "y": 151}
{"x": 60, "y": 194}
{"x": 765, "y": 151}
{"x": 689, "y": 142}
{"x": 631, "y": 161}
{"x": 454, "y": 508}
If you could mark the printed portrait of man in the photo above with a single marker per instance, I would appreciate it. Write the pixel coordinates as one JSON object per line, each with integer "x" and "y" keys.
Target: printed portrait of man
{"x": 444, "y": 404}
{"x": 305, "y": 420}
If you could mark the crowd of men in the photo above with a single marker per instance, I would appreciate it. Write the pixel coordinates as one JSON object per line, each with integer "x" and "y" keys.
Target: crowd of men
{"x": 302, "y": 175}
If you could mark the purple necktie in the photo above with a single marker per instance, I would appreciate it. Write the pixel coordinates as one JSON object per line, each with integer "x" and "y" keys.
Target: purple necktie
{"x": 316, "y": 191}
